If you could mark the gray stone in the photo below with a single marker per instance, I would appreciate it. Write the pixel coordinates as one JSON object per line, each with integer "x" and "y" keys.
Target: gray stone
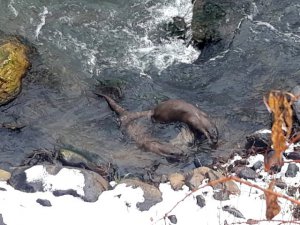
{"x": 200, "y": 201}
{"x": 1, "y": 220}
{"x": 233, "y": 211}
{"x": 93, "y": 185}
{"x": 152, "y": 195}
{"x": 292, "y": 170}
{"x": 258, "y": 165}
{"x": 172, "y": 219}
{"x": 247, "y": 173}
{"x": 44, "y": 202}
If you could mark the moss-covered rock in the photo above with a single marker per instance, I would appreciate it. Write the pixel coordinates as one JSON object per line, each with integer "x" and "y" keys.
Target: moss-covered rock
{"x": 13, "y": 65}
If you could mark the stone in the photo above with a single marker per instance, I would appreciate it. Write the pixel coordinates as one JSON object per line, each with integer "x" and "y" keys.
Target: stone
{"x": 296, "y": 212}
{"x": 296, "y": 105}
{"x": 292, "y": 155}
{"x": 85, "y": 184}
{"x": 1, "y": 220}
{"x": 247, "y": 173}
{"x": 292, "y": 170}
{"x": 13, "y": 65}
{"x": 172, "y": 219}
{"x": 4, "y": 175}
{"x": 44, "y": 202}
{"x": 260, "y": 139}
{"x": 257, "y": 165}
{"x": 215, "y": 22}
{"x": 200, "y": 201}
{"x": 177, "y": 180}
{"x": 281, "y": 184}
{"x": 233, "y": 211}
{"x": 152, "y": 195}
{"x": 222, "y": 190}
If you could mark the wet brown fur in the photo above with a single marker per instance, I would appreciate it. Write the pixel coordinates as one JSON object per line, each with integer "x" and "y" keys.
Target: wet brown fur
{"x": 175, "y": 110}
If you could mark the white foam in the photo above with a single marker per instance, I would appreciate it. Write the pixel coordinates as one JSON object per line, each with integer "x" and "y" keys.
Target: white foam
{"x": 12, "y": 8}
{"x": 42, "y": 23}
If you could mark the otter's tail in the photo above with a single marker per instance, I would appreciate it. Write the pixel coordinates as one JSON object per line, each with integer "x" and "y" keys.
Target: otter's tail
{"x": 113, "y": 104}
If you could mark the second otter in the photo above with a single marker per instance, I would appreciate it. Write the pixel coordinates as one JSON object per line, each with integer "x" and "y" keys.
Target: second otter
{"x": 175, "y": 110}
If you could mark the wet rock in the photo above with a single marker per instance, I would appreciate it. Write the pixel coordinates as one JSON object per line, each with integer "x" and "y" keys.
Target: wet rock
{"x": 177, "y": 27}
{"x": 13, "y": 65}
{"x": 203, "y": 161}
{"x": 258, "y": 165}
{"x": 296, "y": 212}
{"x": 292, "y": 155}
{"x": 4, "y": 175}
{"x": 233, "y": 211}
{"x": 195, "y": 178}
{"x": 200, "y": 201}
{"x": 173, "y": 219}
{"x": 177, "y": 180}
{"x": 1, "y": 220}
{"x": 215, "y": 21}
{"x": 247, "y": 173}
{"x": 152, "y": 195}
{"x": 292, "y": 170}
{"x": 296, "y": 105}
{"x": 222, "y": 190}
{"x": 85, "y": 184}
{"x": 44, "y": 202}
{"x": 259, "y": 140}
{"x": 281, "y": 184}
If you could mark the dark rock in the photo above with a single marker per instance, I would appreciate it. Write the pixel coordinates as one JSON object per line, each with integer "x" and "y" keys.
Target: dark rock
{"x": 2, "y": 189}
{"x": 296, "y": 212}
{"x": 152, "y": 195}
{"x": 296, "y": 105}
{"x": 172, "y": 219}
{"x": 203, "y": 161}
{"x": 233, "y": 211}
{"x": 44, "y": 202}
{"x": 258, "y": 165}
{"x": 281, "y": 184}
{"x": 292, "y": 155}
{"x": 259, "y": 140}
{"x": 1, "y": 220}
{"x": 92, "y": 187}
{"x": 247, "y": 173}
{"x": 200, "y": 201}
{"x": 241, "y": 162}
{"x": 292, "y": 170}
{"x": 177, "y": 27}
{"x": 216, "y": 21}
{"x": 291, "y": 191}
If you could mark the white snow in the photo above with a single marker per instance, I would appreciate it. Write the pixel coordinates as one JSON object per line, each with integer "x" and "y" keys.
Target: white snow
{"x": 118, "y": 206}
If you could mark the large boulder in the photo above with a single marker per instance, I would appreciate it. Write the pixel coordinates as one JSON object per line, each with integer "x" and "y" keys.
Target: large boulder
{"x": 59, "y": 180}
{"x": 13, "y": 65}
{"x": 216, "y": 21}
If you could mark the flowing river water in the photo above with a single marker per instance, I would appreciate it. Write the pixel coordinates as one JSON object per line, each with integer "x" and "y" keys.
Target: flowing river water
{"x": 81, "y": 42}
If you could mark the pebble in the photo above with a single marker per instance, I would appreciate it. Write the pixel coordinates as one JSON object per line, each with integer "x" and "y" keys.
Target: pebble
{"x": 44, "y": 202}
{"x": 296, "y": 212}
{"x": 200, "y": 201}
{"x": 292, "y": 170}
{"x": 247, "y": 173}
{"x": 172, "y": 219}
{"x": 258, "y": 165}
{"x": 233, "y": 211}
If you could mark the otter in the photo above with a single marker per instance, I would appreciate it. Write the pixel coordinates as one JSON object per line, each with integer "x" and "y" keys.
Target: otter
{"x": 137, "y": 132}
{"x": 175, "y": 110}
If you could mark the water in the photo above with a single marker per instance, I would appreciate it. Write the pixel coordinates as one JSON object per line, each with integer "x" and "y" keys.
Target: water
{"x": 80, "y": 42}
